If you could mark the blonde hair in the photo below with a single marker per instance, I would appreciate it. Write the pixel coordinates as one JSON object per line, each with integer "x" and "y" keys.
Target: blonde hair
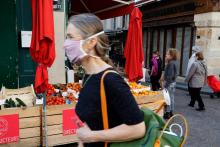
{"x": 173, "y": 53}
{"x": 88, "y": 25}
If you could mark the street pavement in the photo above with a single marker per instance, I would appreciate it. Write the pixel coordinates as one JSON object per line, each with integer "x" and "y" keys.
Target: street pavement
{"x": 204, "y": 127}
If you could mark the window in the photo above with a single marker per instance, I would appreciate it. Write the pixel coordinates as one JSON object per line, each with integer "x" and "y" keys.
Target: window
{"x": 179, "y": 38}
{"x": 161, "y": 43}
{"x": 186, "y": 49}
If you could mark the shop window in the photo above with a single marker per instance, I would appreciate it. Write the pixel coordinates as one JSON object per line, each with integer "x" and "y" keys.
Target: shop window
{"x": 179, "y": 38}
{"x": 145, "y": 46}
{"x": 155, "y": 40}
{"x": 169, "y": 39}
{"x": 161, "y": 43}
{"x": 186, "y": 49}
{"x": 148, "y": 47}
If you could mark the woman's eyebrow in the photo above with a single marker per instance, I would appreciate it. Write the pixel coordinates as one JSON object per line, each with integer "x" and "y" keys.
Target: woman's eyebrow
{"x": 68, "y": 35}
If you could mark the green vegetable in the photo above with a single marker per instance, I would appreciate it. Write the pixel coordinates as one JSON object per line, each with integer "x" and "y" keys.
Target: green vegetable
{"x": 20, "y": 102}
{"x": 12, "y": 103}
{"x": 6, "y": 105}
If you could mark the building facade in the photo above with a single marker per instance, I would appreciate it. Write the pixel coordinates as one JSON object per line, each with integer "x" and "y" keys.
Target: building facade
{"x": 178, "y": 24}
{"x": 182, "y": 24}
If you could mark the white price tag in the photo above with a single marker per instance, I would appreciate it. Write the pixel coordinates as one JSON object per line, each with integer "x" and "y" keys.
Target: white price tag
{"x": 76, "y": 95}
{"x": 39, "y": 101}
{"x": 2, "y": 101}
{"x": 57, "y": 90}
{"x": 64, "y": 94}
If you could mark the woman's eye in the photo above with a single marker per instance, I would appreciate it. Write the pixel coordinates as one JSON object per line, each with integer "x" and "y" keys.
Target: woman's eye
{"x": 69, "y": 37}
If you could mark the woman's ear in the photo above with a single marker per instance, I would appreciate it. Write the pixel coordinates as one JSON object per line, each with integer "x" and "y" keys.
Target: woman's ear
{"x": 92, "y": 43}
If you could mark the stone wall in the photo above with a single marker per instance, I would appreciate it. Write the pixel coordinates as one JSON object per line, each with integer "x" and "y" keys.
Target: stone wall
{"x": 208, "y": 37}
{"x": 57, "y": 71}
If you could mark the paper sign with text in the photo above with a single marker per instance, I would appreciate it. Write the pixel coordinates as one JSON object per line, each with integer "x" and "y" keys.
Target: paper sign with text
{"x": 71, "y": 122}
{"x": 9, "y": 128}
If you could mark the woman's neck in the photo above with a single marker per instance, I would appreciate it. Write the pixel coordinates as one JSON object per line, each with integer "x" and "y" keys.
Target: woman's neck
{"x": 94, "y": 65}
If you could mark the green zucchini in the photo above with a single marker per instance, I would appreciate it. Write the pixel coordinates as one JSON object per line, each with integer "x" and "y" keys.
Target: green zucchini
{"x": 20, "y": 102}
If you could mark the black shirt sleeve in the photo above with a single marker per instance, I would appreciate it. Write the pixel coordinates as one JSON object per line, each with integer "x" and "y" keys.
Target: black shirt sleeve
{"x": 121, "y": 100}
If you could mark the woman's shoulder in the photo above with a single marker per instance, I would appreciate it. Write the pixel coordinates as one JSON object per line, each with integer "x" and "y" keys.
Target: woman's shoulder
{"x": 112, "y": 76}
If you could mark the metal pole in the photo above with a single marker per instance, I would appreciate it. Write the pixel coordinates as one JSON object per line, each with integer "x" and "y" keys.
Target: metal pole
{"x": 45, "y": 118}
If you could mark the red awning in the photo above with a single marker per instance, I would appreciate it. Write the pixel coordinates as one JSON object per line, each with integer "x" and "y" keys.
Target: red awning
{"x": 42, "y": 48}
{"x": 102, "y": 8}
{"x": 133, "y": 49}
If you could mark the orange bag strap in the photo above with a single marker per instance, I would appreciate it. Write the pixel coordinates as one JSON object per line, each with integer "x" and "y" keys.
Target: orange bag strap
{"x": 104, "y": 102}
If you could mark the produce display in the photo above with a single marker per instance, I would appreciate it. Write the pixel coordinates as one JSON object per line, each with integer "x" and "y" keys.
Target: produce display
{"x": 10, "y": 103}
{"x": 134, "y": 85}
{"x": 141, "y": 90}
{"x": 62, "y": 93}
{"x": 144, "y": 93}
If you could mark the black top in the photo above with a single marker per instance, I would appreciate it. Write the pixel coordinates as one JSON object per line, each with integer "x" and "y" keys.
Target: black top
{"x": 121, "y": 105}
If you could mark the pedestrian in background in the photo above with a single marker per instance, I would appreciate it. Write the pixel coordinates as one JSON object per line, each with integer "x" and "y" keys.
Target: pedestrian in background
{"x": 155, "y": 71}
{"x": 195, "y": 49}
{"x": 197, "y": 78}
{"x": 169, "y": 80}
{"x": 160, "y": 68}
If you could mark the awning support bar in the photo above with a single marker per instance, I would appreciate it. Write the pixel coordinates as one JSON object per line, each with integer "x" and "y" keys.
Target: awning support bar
{"x": 123, "y": 2}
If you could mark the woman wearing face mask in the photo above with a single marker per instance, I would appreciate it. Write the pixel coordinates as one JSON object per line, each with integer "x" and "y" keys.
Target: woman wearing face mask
{"x": 87, "y": 44}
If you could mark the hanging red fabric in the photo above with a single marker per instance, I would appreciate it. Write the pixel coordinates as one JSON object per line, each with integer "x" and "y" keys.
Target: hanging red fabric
{"x": 133, "y": 50}
{"x": 123, "y": 10}
{"x": 42, "y": 48}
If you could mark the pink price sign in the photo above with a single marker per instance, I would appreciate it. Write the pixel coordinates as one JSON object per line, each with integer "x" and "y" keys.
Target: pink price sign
{"x": 9, "y": 128}
{"x": 71, "y": 122}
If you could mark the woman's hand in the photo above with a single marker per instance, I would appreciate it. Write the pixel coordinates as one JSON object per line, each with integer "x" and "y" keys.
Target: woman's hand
{"x": 85, "y": 134}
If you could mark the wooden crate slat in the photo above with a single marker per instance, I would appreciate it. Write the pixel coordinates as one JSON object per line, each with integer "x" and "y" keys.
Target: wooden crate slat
{"x": 58, "y": 109}
{"x": 54, "y": 120}
{"x": 26, "y": 112}
{"x": 149, "y": 98}
{"x": 60, "y": 139}
{"x": 28, "y": 142}
{"x": 29, "y": 122}
{"x": 153, "y": 106}
{"x": 55, "y": 129}
{"x": 30, "y": 132}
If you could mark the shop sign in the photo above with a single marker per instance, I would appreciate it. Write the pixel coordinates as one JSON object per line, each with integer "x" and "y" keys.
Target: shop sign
{"x": 58, "y": 5}
{"x": 71, "y": 122}
{"x": 9, "y": 128}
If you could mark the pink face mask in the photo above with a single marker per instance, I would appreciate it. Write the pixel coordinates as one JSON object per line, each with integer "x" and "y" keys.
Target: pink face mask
{"x": 74, "y": 51}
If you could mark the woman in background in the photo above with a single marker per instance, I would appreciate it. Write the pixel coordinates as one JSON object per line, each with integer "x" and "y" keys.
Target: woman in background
{"x": 169, "y": 80}
{"x": 197, "y": 78}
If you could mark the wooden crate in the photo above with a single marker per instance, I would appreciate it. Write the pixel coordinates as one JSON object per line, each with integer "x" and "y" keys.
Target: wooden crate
{"x": 149, "y": 98}
{"x": 26, "y": 94}
{"x": 29, "y": 126}
{"x": 30, "y": 123}
{"x": 54, "y": 123}
{"x": 157, "y": 106}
